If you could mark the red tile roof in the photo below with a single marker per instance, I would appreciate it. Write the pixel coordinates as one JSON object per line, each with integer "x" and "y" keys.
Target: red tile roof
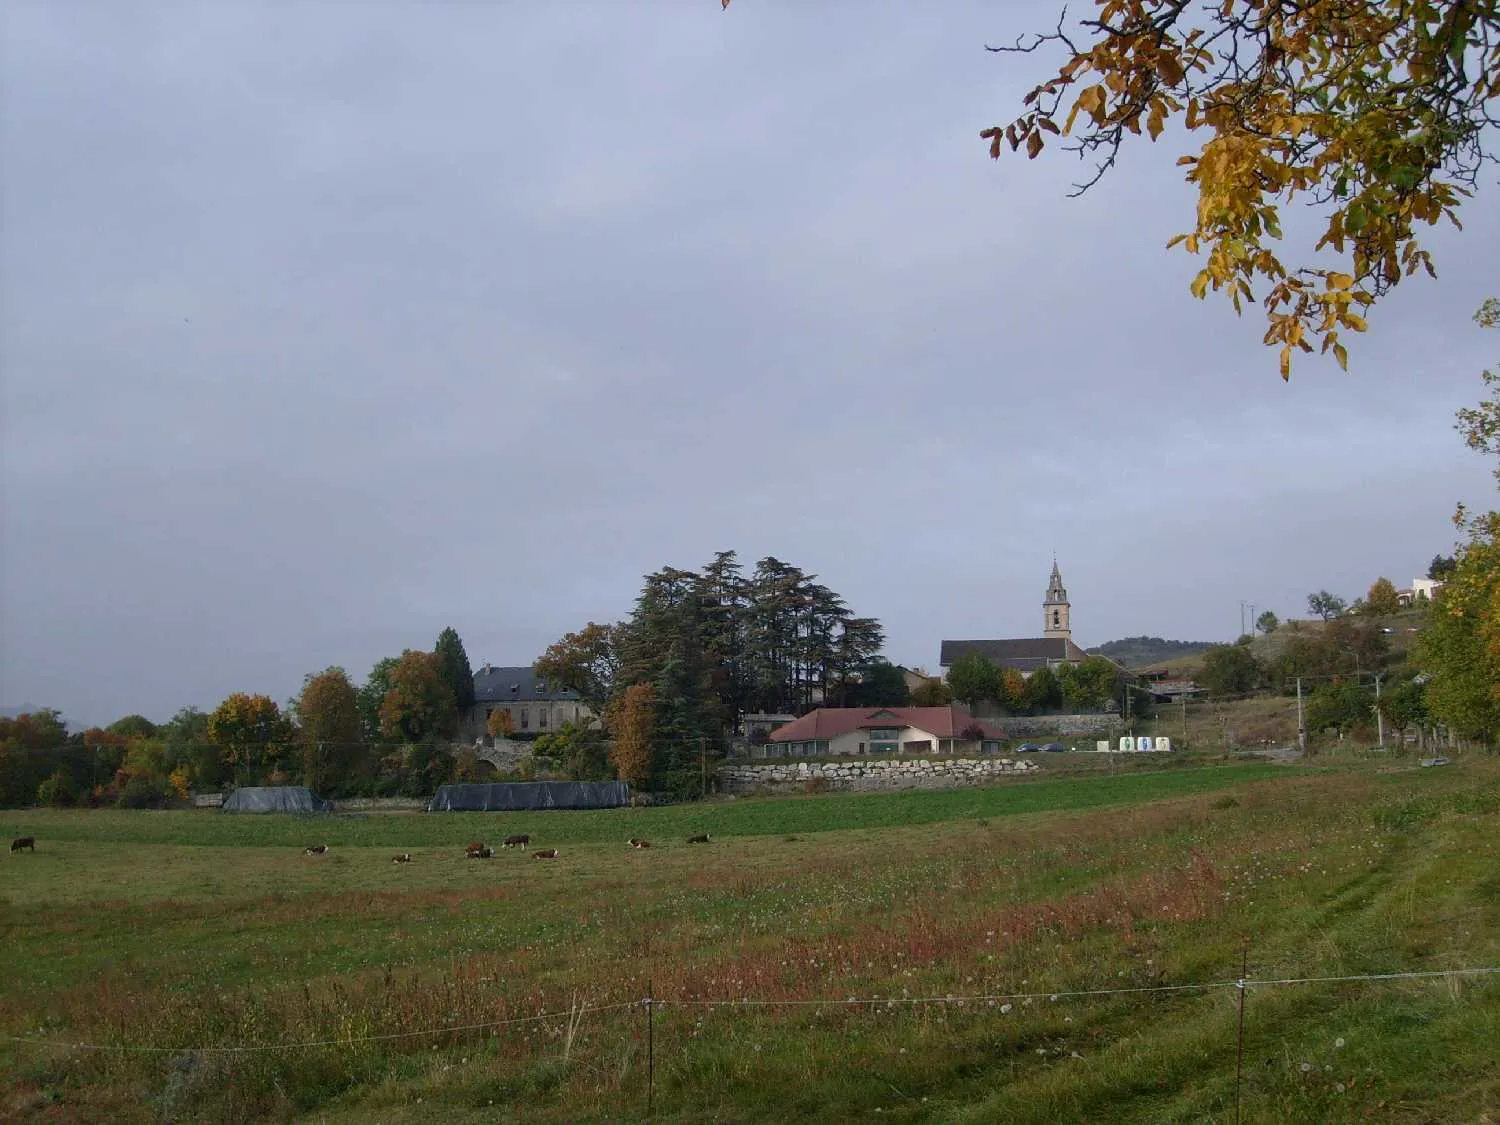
{"x": 830, "y": 722}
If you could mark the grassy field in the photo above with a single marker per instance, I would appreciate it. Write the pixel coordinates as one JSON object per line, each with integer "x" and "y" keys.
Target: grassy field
{"x": 360, "y": 983}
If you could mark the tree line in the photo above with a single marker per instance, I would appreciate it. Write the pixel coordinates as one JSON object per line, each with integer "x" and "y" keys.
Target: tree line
{"x": 388, "y": 736}
{"x": 702, "y": 649}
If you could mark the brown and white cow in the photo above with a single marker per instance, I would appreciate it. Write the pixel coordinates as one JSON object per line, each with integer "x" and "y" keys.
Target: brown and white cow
{"x": 404, "y": 857}
{"x": 482, "y": 852}
{"x": 545, "y": 853}
{"x": 699, "y": 839}
{"x": 316, "y": 849}
{"x": 636, "y": 842}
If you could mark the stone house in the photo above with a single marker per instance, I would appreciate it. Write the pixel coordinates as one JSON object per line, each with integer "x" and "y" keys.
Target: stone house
{"x": 535, "y": 706}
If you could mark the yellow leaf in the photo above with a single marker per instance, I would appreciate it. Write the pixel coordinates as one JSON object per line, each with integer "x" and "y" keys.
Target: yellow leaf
{"x": 1200, "y": 284}
{"x": 1340, "y": 354}
{"x": 1355, "y": 321}
{"x": 1286, "y": 364}
{"x": 1339, "y": 281}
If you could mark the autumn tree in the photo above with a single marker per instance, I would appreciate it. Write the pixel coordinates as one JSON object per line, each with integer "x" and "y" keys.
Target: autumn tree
{"x": 1381, "y": 600}
{"x": 419, "y": 703}
{"x": 586, "y": 662}
{"x": 1012, "y": 689}
{"x": 1043, "y": 691}
{"x": 133, "y": 726}
{"x": 1460, "y": 646}
{"x": 500, "y": 724}
{"x": 1326, "y": 605}
{"x": 253, "y": 736}
{"x": 454, "y": 662}
{"x": 329, "y": 729}
{"x": 973, "y": 677}
{"x": 932, "y": 693}
{"x": 1090, "y": 684}
{"x": 33, "y": 747}
{"x": 630, "y": 720}
{"x": 1375, "y": 113}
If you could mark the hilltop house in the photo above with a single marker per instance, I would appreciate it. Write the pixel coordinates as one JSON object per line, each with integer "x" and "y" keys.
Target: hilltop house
{"x": 835, "y": 731}
{"x": 535, "y": 706}
{"x": 1420, "y": 589}
{"x": 1027, "y": 654}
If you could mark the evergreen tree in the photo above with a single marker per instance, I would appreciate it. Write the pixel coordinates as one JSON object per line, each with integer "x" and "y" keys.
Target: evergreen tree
{"x": 454, "y": 662}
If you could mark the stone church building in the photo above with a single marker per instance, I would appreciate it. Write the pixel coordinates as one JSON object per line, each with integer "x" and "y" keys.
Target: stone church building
{"x": 1026, "y": 654}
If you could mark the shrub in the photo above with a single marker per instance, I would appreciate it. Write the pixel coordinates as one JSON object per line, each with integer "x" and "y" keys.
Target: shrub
{"x": 142, "y": 793}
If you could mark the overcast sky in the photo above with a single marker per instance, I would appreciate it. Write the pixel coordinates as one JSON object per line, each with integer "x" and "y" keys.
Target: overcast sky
{"x": 325, "y": 325}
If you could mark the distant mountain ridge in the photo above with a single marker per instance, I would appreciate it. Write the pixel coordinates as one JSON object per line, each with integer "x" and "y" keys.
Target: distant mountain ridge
{"x": 1135, "y": 652}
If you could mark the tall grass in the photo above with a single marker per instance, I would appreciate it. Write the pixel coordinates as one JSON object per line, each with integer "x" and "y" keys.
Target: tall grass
{"x": 1335, "y": 872}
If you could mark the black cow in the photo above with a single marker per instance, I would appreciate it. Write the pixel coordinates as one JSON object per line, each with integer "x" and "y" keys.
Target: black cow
{"x": 23, "y": 842}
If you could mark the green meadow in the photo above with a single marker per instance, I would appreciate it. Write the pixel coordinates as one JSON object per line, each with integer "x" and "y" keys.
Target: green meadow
{"x": 196, "y": 966}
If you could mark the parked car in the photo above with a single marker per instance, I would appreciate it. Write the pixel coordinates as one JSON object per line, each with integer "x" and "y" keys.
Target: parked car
{"x": 1054, "y": 747}
{"x": 1027, "y": 748}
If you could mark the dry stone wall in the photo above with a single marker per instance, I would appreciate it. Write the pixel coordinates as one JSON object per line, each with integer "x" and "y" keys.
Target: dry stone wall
{"x": 922, "y": 773}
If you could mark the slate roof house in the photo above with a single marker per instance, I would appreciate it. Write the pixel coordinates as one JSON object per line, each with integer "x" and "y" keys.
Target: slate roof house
{"x": 834, "y": 731}
{"x": 534, "y": 705}
{"x": 1027, "y": 654}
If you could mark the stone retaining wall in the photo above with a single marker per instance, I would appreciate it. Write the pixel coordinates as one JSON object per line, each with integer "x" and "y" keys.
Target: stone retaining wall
{"x": 923, "y": 773}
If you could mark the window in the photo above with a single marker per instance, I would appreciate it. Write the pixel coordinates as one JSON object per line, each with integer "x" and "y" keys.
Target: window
{"x": 525, "y": 719}
{"x": 487, "y": 712}
{"x": 541, "y": 718}
{"x": 884, "y": 735}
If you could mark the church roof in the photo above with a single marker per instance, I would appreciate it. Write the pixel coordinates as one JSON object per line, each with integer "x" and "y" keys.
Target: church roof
{"x": 1025, "y": 654}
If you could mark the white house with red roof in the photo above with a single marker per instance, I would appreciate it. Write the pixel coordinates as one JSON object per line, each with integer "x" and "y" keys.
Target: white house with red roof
{"x": 914, "y": 731}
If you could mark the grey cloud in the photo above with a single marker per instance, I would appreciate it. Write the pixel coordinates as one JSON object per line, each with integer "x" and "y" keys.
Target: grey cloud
{"x": 321, "y": 333}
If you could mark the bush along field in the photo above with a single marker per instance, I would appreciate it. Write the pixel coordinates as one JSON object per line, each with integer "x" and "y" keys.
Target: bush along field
{"x": 1054, "y": 951}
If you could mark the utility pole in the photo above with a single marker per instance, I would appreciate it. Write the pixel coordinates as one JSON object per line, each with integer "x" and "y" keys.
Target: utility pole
{"x": 1183, "y": 700}
{"x": 1379, "y": 719}
{"x": 703, "y": 762}
{"x": 1301, "y": 723}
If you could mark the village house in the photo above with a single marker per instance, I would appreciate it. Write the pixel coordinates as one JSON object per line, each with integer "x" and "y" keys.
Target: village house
{"x": 911, "y": 731}
{"x": 535, "y": 706}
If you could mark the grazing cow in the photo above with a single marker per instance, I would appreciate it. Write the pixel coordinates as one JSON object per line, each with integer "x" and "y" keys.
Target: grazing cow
{"x": 23, "y": 842}
{"x": 701, "y": 839}
{"x": 473, "y": 850}
{"x": 638, "y": 843}
{"x": 548, "y": 853}
{"x": 404, "y": 857}
{"x": 516, "y": 842}
{"x": 316, "y": 849}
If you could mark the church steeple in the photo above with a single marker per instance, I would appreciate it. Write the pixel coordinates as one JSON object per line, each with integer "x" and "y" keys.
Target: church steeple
{"x": 1055, "y": 607}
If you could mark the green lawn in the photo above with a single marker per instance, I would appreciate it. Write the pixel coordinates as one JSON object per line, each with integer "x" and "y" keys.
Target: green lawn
{"x": 204, "y": 930}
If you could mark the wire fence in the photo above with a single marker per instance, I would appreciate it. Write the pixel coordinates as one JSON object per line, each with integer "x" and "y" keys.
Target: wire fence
{"x": 650, "y": 1004}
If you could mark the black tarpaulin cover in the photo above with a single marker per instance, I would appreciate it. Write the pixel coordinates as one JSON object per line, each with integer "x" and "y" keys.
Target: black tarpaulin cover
{"x": 520, "y": 795}
{"x": 275, "y": 798}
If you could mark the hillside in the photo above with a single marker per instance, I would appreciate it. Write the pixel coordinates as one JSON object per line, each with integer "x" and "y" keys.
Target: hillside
{"x": 1139, "y": 652}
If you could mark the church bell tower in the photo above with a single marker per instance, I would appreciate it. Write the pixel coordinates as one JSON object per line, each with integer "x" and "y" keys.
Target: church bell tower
{"x": 1055, "y": 608}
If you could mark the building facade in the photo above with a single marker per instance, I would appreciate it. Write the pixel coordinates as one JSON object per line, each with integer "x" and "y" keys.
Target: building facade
{"x": 535, "y": 706}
